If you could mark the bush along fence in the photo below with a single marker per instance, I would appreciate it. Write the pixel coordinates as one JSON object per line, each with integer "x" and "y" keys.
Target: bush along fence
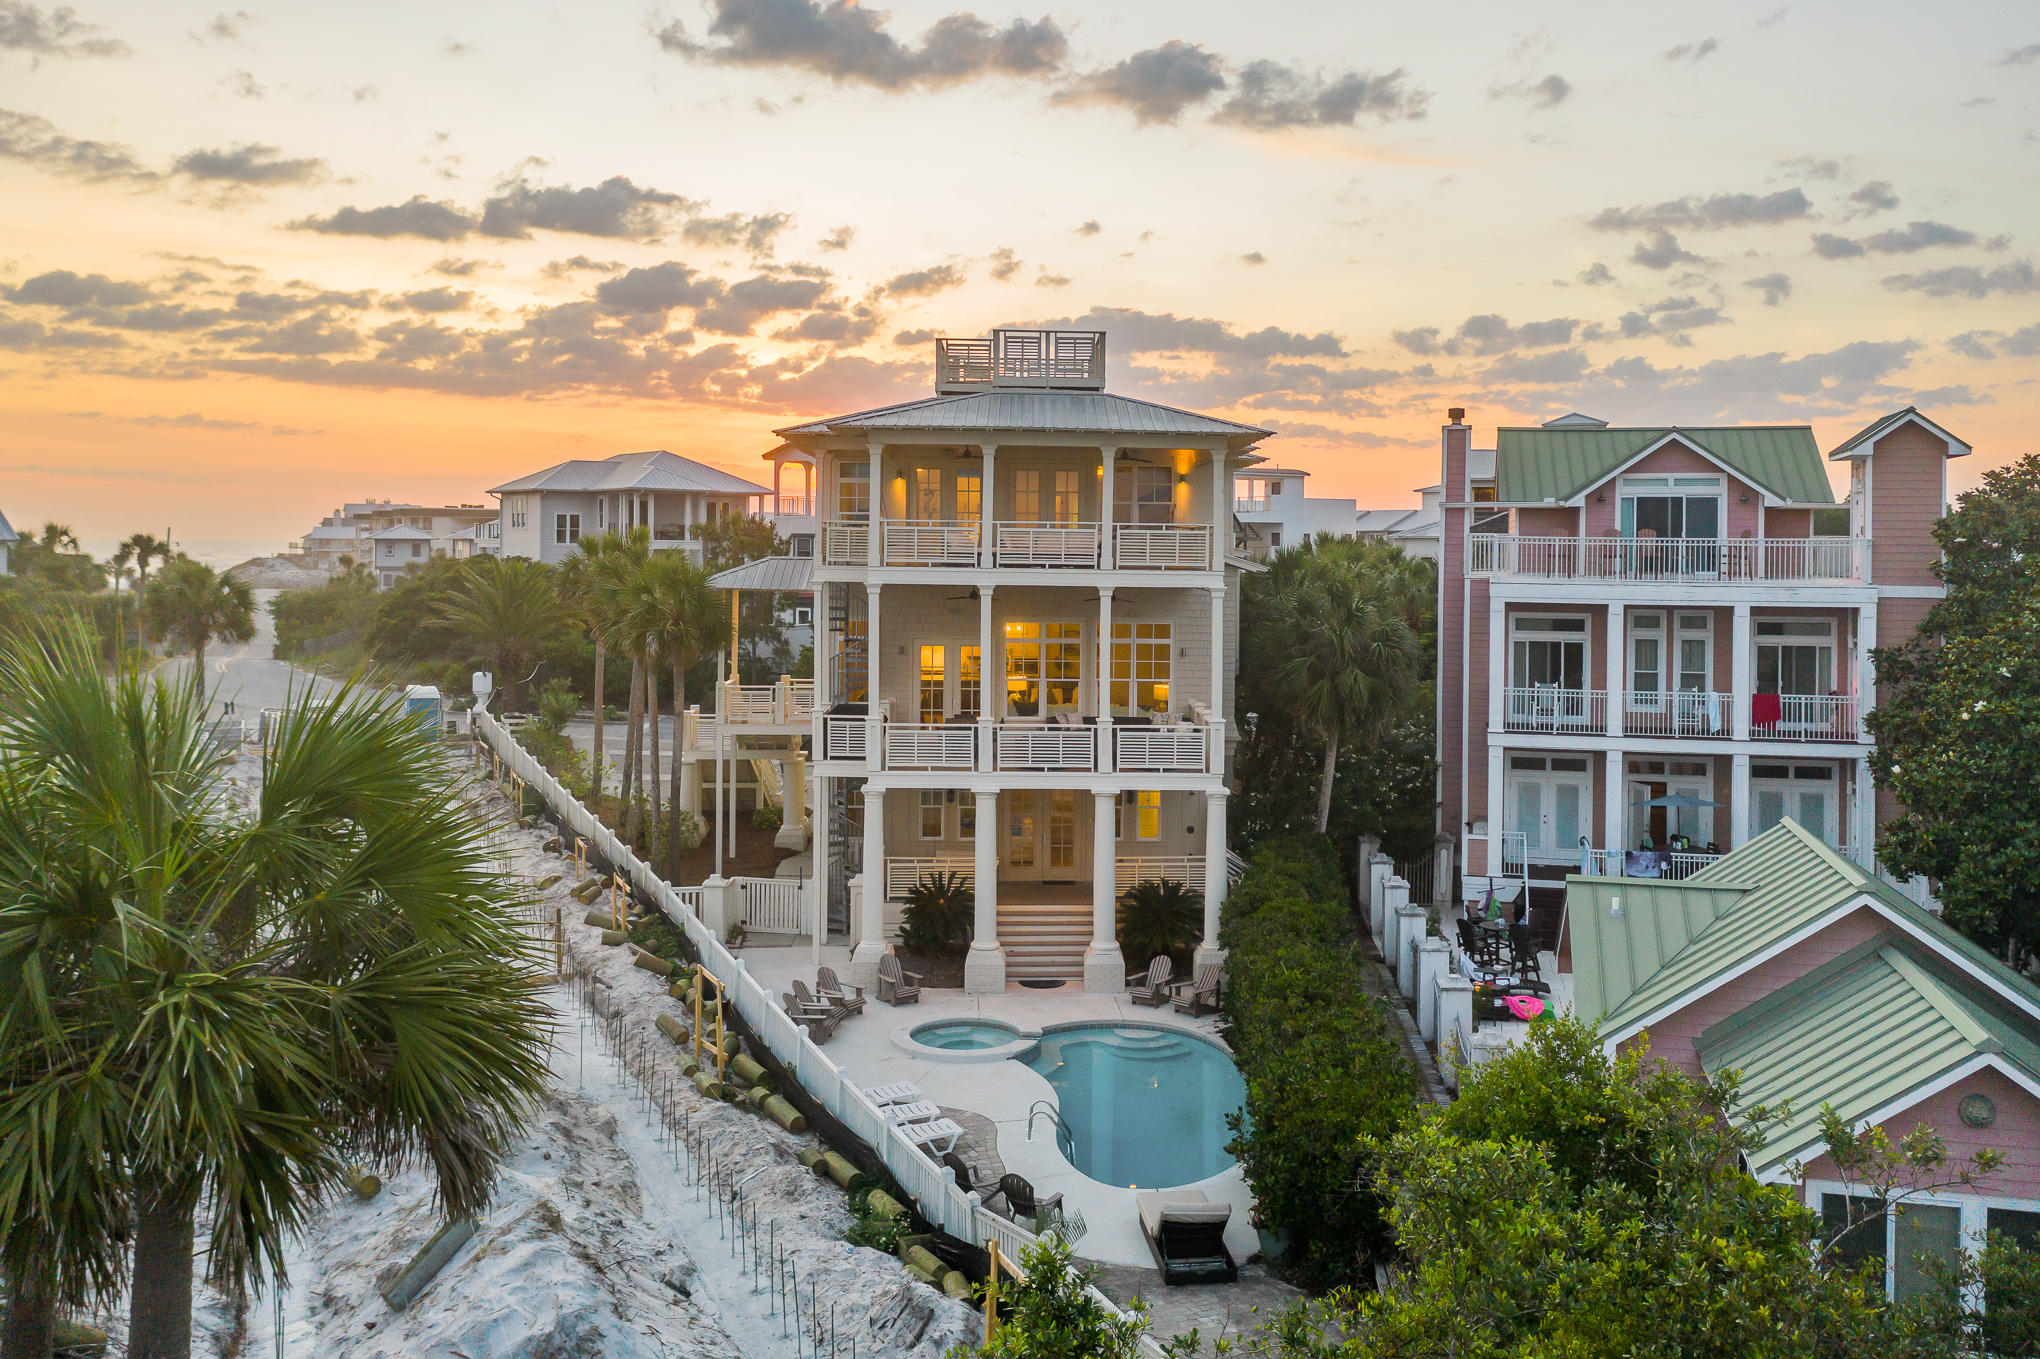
{"x": 1322, "y": 1065}
{"x": 934, "y": 1193}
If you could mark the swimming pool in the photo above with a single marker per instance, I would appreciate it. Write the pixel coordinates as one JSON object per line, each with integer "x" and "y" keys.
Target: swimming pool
{"x": 1145, "y": 1105}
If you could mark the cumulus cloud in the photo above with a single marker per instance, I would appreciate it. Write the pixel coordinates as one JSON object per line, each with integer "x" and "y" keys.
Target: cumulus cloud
{"x": 1694, "y": 51}
{"x": 1913, "y": 236}
{"x": 1969, "y": 280}
{"x": 1563, "y": 365}
{"x": 35, "y": 140}
{"x": 1045, "y": 279}
{"x": 1876, "y": 196}
{"x": 306, "y": 337}
{"x": 657, "y": 289}
{"x": 1090, "y": 228}
{"x": 913, "y": 337}
{"x": 849, "y": 43}
{"x": 1744, "y": 387}
{"x": 755, "y": 234}
{"x": 1271, "y": 96}
{"x": 839, "y": 239}
{"x": 567, "y": 268}
{"x": 1547, "y": 93}
{"x": 1670, "y": 319}
{"x": 1660, "y": 249}
{"x": 1829, "y": 246}
{"x": 1706, "y": 214}
{"x": 839, "y": 329}
{"x": 459, "y": 268}
{"x": 1990, "y": 344}
{"x": 923, "y": 282}
{"x": 62, "y": 288}
{"x": 225, "y": 27}
{"x": 1156, "y": 85}
{"x": 2019, "y": 56}
{"x": 1004, "y": 264}
{"x": 436, "y": 300}
{"x": 1775, "y": 287}
{"x": 616, "y": 207}
{"x": 420, "y": 216}
{"x": 25, "y": 335}
{"x": 1597, "y": 273}
{"x": 1253, "y": 257}
{"x": 59, "y": 33}
{"x": 1142, "y": 332}
{"x": 253, "y": 165}
{"x": 1488, "y": 334}
{"x": 740, "y": 307}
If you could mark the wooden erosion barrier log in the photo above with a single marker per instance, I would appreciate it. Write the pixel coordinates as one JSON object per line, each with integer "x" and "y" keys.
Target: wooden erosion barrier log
{"x": 426, "y": 1264}
{"x": 650, "y": 962}
{"x": 364, "y": 1185}
{"x": 614, "y": 937}
{"x": 672, "y": 1028}
{"x": 836, "y": 1168}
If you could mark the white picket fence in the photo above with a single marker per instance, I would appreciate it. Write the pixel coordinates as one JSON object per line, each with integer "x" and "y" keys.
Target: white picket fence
{"x": 929, "y": 1184}
{"x": 773, "y": 905}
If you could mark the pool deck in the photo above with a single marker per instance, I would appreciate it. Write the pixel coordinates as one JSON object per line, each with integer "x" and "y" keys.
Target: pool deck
{"x": 872, "y": 1049}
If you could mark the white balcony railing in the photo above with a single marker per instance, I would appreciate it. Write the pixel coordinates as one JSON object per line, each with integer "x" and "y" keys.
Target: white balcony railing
{"x": 930, "y": 542}
{"x": 789, "y": 701}
{"x": 1808, "y": 717}
{"x": 1161, "y": 546}
{"x": 1642, "y": 863}
{"x": 846, "y": 544}
{"x": 901, "y": 874}
{"x": 1546, "y": 707}
{"x": 930, "y": 746}
{"x": 846, "y": 738}
{"x": 1659, "y": 559}
{"x": 1024, "y": 544}
{"x": 1043, "y": 747}
{"x": 1688, "y": 712}
{"x": 1022, "y": 358}
{"x": 1183, "y": 868}
{"x": 1172, "y": 749}
{"x": 1250, "y": 505}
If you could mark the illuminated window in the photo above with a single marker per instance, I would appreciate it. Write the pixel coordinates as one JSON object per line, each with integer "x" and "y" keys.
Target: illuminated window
{"x": 1062, "y": 829}
{"x": 1027, "y": 495}
{"x": 969, "y": 504}
{"x": 931, "y": 813}
{"x": 1145, "y": 807}
{"x": 1044, "y": 668}
{"x": 970, "y": 681}
{"x": 931, "y": 684}
{"x": 853, "y": 492}
{"x": 1140, "y": 669}
{"x": 927, "y": 494}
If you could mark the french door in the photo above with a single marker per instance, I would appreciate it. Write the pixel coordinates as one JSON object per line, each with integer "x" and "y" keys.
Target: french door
{"x": 1549, "y": 807}
{"x": 1041, "y": 834}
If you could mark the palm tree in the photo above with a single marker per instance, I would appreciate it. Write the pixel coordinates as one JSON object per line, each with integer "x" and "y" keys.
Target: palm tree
{"x": 683, "y": 619}
{"x": 145, "y": 549}
{"x": 57, "y": 537}
{"x": 1349, "y": 629}
{"x": 591, "y": 579}
{"x": 193, "y": 605}
{"x": 508, "y": 609}
{"x": 123, "y": 558}
{"x": 207, "y": 1010}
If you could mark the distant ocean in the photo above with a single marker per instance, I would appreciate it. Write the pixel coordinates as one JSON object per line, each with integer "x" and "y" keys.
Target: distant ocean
{"x": 214, "y": 552}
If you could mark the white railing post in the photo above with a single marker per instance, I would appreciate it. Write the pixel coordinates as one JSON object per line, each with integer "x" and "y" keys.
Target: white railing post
{"x": 1394, "y": 896}
{"x": 1455, "y": 1026}
{"x": 1433, "y": 958}
{"x": 1379, "y": 870}
{"x": 1410, "y": 935}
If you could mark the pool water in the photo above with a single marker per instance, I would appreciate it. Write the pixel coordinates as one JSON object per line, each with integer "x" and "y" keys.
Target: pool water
{"x": 1147, "y": 1107}
{"x": 964, "y": 1035}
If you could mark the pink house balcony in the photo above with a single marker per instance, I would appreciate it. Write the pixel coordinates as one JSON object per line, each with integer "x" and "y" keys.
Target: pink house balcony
{"x": 1613, "y": 558}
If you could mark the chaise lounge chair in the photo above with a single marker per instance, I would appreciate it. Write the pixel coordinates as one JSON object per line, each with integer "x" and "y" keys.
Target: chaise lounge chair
{"x": 896, "y": 985}
{"x": 899, "y": 1092}
{"x": 1200, "y": 994}
{"x": 1152, "y": 986}
{"x": 1186, "y": 1232}
{"x": 835, "y": 992}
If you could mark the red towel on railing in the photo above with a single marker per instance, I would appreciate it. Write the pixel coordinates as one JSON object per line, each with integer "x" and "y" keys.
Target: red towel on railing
{"x": 1765, "y": 710}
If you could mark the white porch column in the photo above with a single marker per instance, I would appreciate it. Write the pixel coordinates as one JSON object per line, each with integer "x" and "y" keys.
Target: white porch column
{"x": 1218, "y": 653}
{"x": 986, "y": 519}
{"x": 1104, "y": 966}
{"x": 1498, "y": 662}
{"x": 1739, "y": 799}
{"x": 1616, "y": 682}
{"x": 1106, "y": 546}
{"x": 1101, "y": 689}
{"x": 1863, "y": 808}
{"x": 818, "y": 861}
{"x": 875, "y": 555}
{"x": 991, "y": 676}
{"x": 1215, "y": 881}
{"x": 1221, "y": 504}
{"x": 1866, "y": 669}
{"x": 874, "y": 733}
{"x": 1739, "y": 678}
{"x": 1614, "y": 802}
{"x": 1497, "y": 769}
{"x": 871, "y": 928}
{"x": 984, "y": 969}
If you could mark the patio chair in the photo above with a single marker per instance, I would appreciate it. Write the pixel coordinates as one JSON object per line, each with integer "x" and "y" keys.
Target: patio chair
{"x": 1020, "y": 1196}
{"x": 921, "y": 1111}
{"x": 1199, "y": 995}
{"x": 925, "y": 1136}
{"x": 813, "y": 1002}
{"x": 1186, "y": 1233}
{"x": 1529, "y": 977}
{"x": 1151, "y": 987}
{"x": 967, "y": 1180}
{"x": 899, "y": 1092}
{"x": 819, "y": 1023}
{"x": 850, "y": 998}
{"x": 896, "y": 985}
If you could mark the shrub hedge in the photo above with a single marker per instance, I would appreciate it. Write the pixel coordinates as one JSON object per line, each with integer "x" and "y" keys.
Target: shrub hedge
{"x": 1322, "y": 1065}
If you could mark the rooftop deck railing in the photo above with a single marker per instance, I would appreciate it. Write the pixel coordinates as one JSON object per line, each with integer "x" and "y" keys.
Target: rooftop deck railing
{"x": 1022, "y": 358}
{"x": 1668, "y": 559}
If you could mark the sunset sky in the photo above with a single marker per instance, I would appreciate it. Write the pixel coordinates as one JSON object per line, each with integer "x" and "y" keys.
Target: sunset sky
{"x": 255, "y": 263}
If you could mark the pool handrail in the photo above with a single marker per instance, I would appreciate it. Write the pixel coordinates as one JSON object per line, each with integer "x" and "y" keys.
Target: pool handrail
{"x": 1065, "y": 1136}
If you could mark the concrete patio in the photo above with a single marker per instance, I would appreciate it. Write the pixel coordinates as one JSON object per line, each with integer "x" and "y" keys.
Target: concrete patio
{"x": 873, "y": 1049}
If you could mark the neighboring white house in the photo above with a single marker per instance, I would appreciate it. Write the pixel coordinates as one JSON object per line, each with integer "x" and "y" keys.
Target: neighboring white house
{"x": 1272, "y": 512}
{"x": 543, "y": 516}
{"x": 352, "y": 531}
{"x": 8, "y": 537}
{"x": 1415, "y": 531}
{"x": 399, "y": 549}
{"x": 1027, "y": 623}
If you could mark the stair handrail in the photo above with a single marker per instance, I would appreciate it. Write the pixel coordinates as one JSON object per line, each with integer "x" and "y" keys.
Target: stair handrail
{"x": 1065, "y": 1138}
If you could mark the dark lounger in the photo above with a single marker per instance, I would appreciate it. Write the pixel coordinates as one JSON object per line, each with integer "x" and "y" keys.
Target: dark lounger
{"x": 1186, "y": 1232}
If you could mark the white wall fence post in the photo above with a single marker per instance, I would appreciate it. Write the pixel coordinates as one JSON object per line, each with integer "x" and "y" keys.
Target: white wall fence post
{"x": 1455, "y": 1026}
{"x": 1433, "y": 962}
{"x": 1395, "y": 894}
{"x": 1379, "y": 870}
{"x": 1370, "y": 845}
{"x": 1409, "y": 934}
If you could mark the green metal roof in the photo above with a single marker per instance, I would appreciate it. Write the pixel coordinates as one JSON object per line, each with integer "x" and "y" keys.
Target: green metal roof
{"x": 1541, "y": 464}
{"x": 1860, "y": 1034}
{"x": 1623, "y": 930}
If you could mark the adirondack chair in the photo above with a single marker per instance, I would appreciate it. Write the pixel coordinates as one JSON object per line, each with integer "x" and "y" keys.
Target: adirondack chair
{"x": 896, "y": 985}
{"x": 819, "y": 1023}
{"x": 1151, "y": 987}
{"x": 1199, "y": 995}
{"x": 809, "y": 1000}
{"x": 850, "y": 998}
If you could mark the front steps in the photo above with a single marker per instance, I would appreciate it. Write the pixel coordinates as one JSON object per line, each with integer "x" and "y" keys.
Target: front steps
{"x": 1045, "y": 941}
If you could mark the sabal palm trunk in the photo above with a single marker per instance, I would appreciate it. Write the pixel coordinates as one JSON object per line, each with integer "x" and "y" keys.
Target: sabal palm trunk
{"x": 652, "y": 738}
{"x": 31, "y": 1317}
{"x": 595, "y": 751}
{"x": 159, "y": 1315}
{"x": 627, "y": 791}
{"x": 1324, "y": 796}
{"x": 673, "y": 796}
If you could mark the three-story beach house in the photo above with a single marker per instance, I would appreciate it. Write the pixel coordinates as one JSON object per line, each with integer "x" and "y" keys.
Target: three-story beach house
{"x": 1654, "y": 643}
{"x": 544, "y": 516}
{"x": 1026, "y": 611}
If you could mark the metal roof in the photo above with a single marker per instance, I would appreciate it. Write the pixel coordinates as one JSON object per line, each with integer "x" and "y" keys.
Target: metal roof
{"x": 7, "y": 533}
{"x": 1858, "y": 445}
{"x": 400, "y": 531}
{"x": 1625, "y": 930}
{"x": 1539, "y": 464}
{"x": 768, "y": 573}
{"x": 1860, "y": 1034}
{"x": 657, "y": 470}
{"x": 1059, "y": 412}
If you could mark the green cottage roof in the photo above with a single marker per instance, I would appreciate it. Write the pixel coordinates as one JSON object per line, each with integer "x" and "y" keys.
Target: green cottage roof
{"x": 1539, "y": 464}
{"x": 1870, "y": 1031}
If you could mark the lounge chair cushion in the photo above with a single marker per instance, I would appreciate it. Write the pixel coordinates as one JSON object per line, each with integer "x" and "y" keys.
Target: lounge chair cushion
{"x": 1152, "y": 1202}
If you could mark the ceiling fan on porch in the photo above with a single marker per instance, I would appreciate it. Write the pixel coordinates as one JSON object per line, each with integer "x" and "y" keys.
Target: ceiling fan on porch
{"x": 972, "y": 596}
